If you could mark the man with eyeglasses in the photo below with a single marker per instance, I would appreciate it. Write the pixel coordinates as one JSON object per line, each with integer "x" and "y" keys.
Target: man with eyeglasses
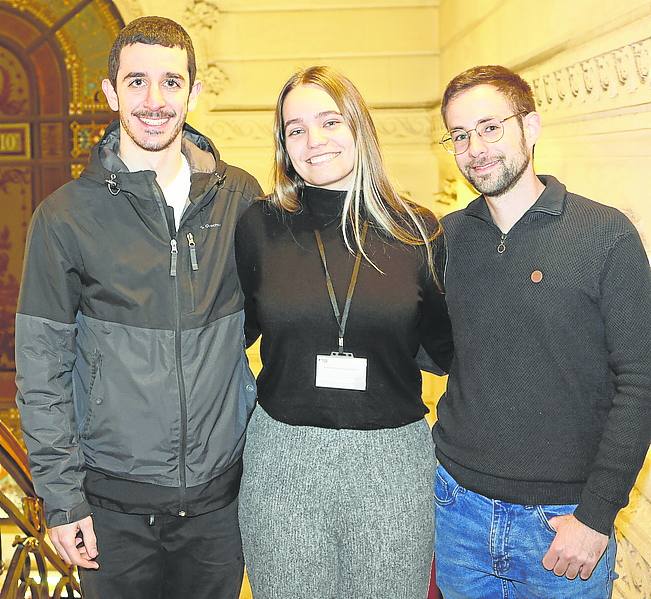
{"x": 546, "y": 420}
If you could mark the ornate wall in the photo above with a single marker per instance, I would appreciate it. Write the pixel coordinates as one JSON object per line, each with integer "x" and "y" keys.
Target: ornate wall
{"x": 52, "y": 57}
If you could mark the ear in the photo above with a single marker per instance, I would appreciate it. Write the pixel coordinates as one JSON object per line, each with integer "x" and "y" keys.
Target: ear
{"x": 111, "y": 96}
{"x": 531, "y": 125}
{"x": 194, "y": 94}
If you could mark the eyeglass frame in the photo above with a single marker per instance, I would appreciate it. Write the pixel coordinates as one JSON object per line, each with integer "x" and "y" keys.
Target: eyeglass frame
{"x": 448, "y": 135}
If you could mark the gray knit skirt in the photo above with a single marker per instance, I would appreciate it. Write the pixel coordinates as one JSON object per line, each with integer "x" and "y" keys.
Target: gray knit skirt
{"x": 337, "y": 514}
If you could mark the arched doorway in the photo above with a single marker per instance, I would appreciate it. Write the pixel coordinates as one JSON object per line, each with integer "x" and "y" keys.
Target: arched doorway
{"x": 53, "y": 56}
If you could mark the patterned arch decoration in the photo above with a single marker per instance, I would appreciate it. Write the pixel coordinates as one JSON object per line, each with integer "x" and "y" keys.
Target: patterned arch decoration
{"x": 53, "y": 56}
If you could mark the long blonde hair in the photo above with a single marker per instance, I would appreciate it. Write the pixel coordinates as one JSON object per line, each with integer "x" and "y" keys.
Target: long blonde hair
{"x": 371, "y": 189}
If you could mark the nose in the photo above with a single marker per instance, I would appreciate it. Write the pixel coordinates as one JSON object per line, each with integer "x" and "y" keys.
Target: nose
{"x": 154, "y": 99}
{"x": 476, "y": 145}
{"x": 315, "y": 137}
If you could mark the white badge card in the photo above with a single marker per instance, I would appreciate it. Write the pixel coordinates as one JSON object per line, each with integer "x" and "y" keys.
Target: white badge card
{"x": 341, "y": 371}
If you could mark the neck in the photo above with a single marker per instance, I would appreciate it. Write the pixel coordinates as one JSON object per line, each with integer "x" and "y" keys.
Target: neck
{"x": 508, "y": 208}
{"x": 165, "y": 163}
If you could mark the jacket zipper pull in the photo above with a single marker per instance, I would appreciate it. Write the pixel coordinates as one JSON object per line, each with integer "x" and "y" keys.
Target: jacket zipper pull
{"x": 501, "y": 246}
{"x": 174, "y": 252}
{"x": 193, "y": 252}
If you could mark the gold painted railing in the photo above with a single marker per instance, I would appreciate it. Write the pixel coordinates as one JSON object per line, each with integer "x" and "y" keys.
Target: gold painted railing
{"x": 26, "y": 574}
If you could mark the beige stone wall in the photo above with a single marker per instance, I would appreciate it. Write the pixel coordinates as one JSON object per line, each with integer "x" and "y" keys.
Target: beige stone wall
{"x": 248, "y": 49}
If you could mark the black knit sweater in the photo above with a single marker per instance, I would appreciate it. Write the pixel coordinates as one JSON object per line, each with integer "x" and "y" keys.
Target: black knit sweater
{"x": 286, "y": 301}
{"x": 549, "y": 394}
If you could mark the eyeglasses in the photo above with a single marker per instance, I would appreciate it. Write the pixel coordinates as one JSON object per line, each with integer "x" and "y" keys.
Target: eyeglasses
{"x": 457, "y": 141}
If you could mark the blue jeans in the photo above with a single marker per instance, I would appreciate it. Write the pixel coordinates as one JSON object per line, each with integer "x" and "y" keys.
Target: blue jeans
{"x": 491, "y": 549}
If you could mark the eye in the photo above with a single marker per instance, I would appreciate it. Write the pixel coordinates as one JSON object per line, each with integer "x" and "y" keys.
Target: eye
{"x": 458, "y": 136}
{"x": 490, "y": 127}
{"x": 172, "y": 83}
{"x": 137, "y": 82}
{"x": 294, "y": 132}
{"x": 331, "y": 123}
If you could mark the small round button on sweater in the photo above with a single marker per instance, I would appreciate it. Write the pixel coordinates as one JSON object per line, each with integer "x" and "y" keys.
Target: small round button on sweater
{"x": 536, "y": 276}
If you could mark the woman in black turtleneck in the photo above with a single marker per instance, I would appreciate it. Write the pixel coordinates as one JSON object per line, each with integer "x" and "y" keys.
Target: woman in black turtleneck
{"x": 336, "y": 497}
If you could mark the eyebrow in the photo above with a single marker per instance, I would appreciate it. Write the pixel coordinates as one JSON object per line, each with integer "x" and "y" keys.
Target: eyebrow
{"x": 317, "y": 116}
{"x": 479, "y": 122}
{"x": 141, "y": 75}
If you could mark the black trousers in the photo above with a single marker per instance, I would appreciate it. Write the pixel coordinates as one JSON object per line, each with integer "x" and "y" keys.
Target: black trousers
{"x": 166, "y": 557}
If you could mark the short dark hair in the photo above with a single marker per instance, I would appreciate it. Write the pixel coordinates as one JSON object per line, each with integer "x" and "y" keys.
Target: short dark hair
{"x": 153, "y": 31}
{"x": 515, "y": 88}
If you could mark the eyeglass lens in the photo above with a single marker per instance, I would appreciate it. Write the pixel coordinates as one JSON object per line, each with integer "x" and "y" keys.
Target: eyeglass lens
{"x": 459, "y": 140}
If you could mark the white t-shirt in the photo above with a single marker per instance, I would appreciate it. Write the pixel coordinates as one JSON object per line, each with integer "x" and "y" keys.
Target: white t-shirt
{"x": 177, "y": 193}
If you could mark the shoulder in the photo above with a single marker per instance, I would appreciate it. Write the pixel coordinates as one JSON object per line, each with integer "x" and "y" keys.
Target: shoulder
{"x": 239, "y": 180}
{"x": 70, "y": 201}
{"x": 427, "y": 218}
{"x": 453, "y": 223}
{"x": 259, "y": 216}
{"x": 432, "y": 223}
{"x": 595, "y": 217}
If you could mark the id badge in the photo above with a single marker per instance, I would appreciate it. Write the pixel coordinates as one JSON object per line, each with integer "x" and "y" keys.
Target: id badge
{"x": 341, "y": 371}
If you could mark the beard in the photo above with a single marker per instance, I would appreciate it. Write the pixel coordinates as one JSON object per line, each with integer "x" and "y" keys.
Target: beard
{"x": 503, "y": 178}
{"x": 152, "y": 140}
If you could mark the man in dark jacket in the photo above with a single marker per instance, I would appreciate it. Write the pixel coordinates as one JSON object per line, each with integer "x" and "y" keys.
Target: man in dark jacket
{"x": 133, "y": 385}
{"x": 546, "y": 420}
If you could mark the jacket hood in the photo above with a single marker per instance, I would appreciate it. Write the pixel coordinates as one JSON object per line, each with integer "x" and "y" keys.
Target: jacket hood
{"x": 105, "y": 164}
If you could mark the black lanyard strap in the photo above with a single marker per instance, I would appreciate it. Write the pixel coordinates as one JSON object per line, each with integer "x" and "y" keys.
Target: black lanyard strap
{"x": 341, "y": 320}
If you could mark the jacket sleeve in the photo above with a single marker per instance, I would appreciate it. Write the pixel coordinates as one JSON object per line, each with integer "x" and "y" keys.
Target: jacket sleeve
{"x": 435, "y": 326}
{"x": 247, "y": 271}
{"x": 45, "y": 357}
{"x": 625, "y": 307}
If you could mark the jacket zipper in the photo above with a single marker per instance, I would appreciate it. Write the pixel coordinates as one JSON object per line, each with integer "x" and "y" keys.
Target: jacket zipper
{"x": 174, "y": 254}
{"x": 177, "y": 350}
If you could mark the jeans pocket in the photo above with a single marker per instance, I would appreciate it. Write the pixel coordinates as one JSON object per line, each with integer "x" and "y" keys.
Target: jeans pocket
{"x": 446, "y": 488}
{"x": 547, "y": 512}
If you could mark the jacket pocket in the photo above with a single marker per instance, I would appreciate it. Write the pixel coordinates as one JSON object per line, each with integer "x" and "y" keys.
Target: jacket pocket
{"x": 94, "y": 399}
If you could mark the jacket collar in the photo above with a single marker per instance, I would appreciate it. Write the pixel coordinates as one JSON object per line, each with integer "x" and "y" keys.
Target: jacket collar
{"x": 551, "y": 201}
{"x": 105, "y": 166}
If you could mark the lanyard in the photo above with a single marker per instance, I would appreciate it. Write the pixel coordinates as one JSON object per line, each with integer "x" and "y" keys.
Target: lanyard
{"x": 341, "y": 320}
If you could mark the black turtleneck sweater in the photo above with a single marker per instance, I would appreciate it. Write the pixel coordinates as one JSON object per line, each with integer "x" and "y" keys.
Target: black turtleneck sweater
{"x": 286, "y": 301}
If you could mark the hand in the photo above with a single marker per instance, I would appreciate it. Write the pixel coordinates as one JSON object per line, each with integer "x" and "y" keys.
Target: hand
{"x": 73, "y": 550}
{"x": 576, "y": 548}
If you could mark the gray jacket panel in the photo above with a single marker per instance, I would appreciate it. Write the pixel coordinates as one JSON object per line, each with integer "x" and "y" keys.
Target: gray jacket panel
{"x": 126, "y": 365}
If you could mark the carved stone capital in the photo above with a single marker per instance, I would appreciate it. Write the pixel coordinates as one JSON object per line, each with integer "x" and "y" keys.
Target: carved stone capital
{"x": 201, "y": 15}
{"x": 215, "y": 81}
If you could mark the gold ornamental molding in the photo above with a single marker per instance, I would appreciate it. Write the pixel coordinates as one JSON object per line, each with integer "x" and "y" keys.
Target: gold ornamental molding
{"x": 614, "y": 78}
{"x": 40, "y": 11}
{"x": 14, "y": 142}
